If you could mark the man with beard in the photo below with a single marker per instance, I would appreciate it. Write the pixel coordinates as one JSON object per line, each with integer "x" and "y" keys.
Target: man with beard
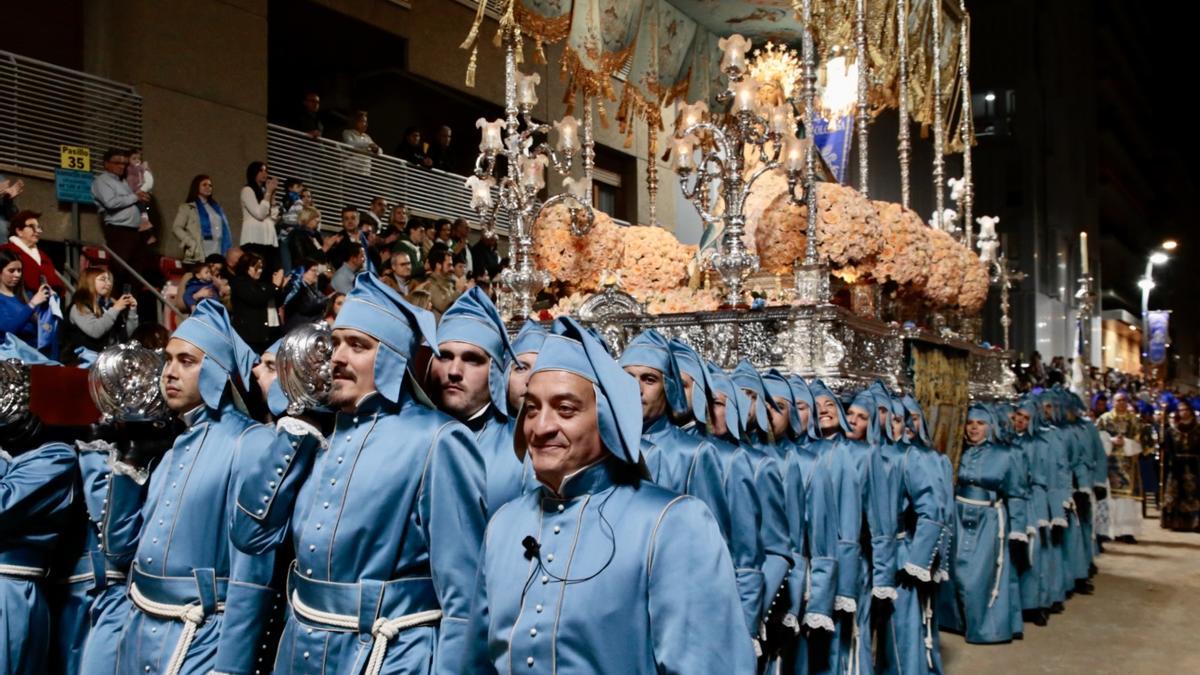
{"x": 199, "y": 604}
{"x": 469, "y": 381}
{"x": 651, "y": 585}
{"x": 385, "y": 520}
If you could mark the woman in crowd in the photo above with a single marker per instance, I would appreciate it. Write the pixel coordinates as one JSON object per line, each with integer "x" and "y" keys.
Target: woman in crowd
{"x": 304, "y": 303}
{"x": 333, "y": 306}
{"x": 38, "y": 269}
{"x": 200, "y": 224}
{"x": 17, "y": 309}
{"x": 357, "y": 136}
{"x": 258, "y": 214}
{"x": 255, "y": 302}
{"x": 95, "y": 320}
{"x": 306, "y": 241}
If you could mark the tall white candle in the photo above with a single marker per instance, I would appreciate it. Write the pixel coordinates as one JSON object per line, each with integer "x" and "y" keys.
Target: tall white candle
{"x": 1083, "y": 256}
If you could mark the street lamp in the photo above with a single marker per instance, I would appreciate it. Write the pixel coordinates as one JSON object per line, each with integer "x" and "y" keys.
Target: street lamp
{"x": 1146, "y": 283}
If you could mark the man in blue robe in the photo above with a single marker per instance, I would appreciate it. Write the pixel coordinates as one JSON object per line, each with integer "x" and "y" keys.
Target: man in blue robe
{"x": 37, "y": 500}
{"x": 198, "y": 604}
{"x": 726, "y": 423}
{"x": 1029, "y": 440}
{"x": 525, "y": 349}
{"x": 600, "y": 572}
{"x": 469, "y": 382}
{"x": 385, "y": 516}
{"x": 768, "y": 479}
{"x": 812, "y": 530}
{"x": 682, "y": 463}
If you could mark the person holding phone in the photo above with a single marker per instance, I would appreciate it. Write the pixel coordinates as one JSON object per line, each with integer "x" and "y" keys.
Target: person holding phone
{"x": 95, "y": 320}
{"x": 19, "y": 310}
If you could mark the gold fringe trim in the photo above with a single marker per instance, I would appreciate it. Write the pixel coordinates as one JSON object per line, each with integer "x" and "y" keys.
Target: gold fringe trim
{"x": 544, "y": 30}
{"x": 591, "y": 84}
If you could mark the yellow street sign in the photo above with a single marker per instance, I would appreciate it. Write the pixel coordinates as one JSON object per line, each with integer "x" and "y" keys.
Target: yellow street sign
{"x": 75, "y": 157}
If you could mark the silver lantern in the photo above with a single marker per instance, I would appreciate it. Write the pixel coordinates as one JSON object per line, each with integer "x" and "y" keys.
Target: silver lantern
{"x": 14, "y": 391}
{"x": 125, "y": 384}
{"x": 302, "y": 364}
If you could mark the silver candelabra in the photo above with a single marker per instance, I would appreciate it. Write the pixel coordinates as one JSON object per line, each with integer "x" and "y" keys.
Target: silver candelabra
{"x": 522, "y": 142}
{"x": 768, "y": 134}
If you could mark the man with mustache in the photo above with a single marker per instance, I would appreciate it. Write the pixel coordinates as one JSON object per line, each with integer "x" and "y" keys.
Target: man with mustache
{"x": 385, "y": 520}
{"x": 199, "y": 604}
{"x": 600, "y": 571}
{"x": 469, "y": 381}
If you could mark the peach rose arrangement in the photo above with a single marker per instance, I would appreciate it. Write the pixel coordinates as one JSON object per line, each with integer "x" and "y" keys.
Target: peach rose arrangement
{"x": 576, "y": 261}
{"x": 904, "y": 257}
{"x": 653, "y": 261}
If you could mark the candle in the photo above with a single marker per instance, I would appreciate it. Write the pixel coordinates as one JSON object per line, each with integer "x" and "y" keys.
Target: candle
{"x": 781, "y": 119}
{"x": 577, "y": 188}
{"x": 481, "y": 191}
{"x": 744, "y": 93}
{"x": 568, "y": 134}
{"x": 793, "y": 153}
{"x": 491, "y": 134}
{"x": 735, "y": 47}
{"x": 681, "y": 153}
{"x": 690, "y": 115}
{"x": 527, "y": 89}
{"x": 533, "y": 171}
{"x": 1083, "y": 257}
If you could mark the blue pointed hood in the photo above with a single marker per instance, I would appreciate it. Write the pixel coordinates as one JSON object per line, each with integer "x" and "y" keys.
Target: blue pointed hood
{"x": 530, "y": 338}
{"x": 651, "y": 350}
{"x": 746, "y": 376}
{"x": 983, "y": 412}
{"x": 379, "y": 311}
{"x": 911, "y": 407}
{"x": 778, "y": 387}
{"x": 473, "y": 319}
{"x": 866, "y": 401}
{"x": 819, "y": 390}
{"x": 572, "y": 348}
{"x": 736, "y": 417}
{"x": 226, "y": 355}
{"x": 277, "y": 401}
{"x": 801, "y": 392}
{"x": 689, "y": 362}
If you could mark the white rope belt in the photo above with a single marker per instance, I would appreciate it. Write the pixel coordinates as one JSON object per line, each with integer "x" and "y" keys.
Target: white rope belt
{"x": 111, "y": 575}
{"x": 22, "y": 571}
{"x": 192, "y": 616}
{"x": 1000, "y": 555}
{"x": 975, "y": 502}
{"x": 927, "y": 622}
{"x": 383, "y": 630}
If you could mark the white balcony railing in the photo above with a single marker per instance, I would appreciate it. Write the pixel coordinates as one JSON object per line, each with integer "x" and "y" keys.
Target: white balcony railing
{"x": 43, "y": 106}
{"x": 340, "y": 176}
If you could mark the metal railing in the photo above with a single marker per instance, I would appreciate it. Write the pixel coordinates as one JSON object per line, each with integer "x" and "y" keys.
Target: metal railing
{"x": 339, "y": 176}
{"x": 43, "y": 106}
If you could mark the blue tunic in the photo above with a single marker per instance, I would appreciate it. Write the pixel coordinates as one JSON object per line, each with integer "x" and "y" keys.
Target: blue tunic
{"x": 1064, "y": 523}
{"x": 90, "y": 606}
{"x": 987, "y": 485}
{"x": 1035, "y": 591}
{"x": 690, "y": 465}
{"x": 386, "y": 523}
{"x": 173, "y": 533}
{"x": 629, "y": 578}
{"x": 745, "y": 527}
{"x": 36, "y": 493}
{"x": 507, "y": 476}
{"x": 909, "y": 637}
{"x": 774, "y": 528}
{"x": 812, "y": 582}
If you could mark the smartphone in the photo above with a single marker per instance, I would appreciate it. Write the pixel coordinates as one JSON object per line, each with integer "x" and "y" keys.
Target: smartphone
{"x": 126, "y": 289}
{"x": 42, "y": 281}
